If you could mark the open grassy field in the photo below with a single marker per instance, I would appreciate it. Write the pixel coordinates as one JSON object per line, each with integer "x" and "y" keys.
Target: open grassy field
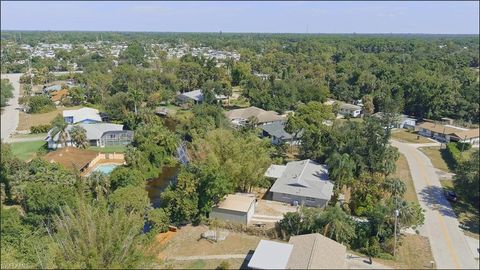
{"x": 27, "y": 150}
{"x": 403, "y": 135}
{"x": 438, "y": 158}
{"x": 413, "y": 253}
{"x": 403, "y": 172}
{"x": 467, "y": 214}
{"x": 28, "y": 120}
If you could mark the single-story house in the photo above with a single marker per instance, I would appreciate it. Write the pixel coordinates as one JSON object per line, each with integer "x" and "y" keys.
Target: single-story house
{"x": 52, "y": 88}
{"x": 276, "y": 132}
{"x": 402, "y": 120}
{"x": 196, "y": 96}
{"x": 236, "y": 208}
{"x": 83, "y": 115}
{"x": 449, "y": 133}
{"x": 270, "y": 255}
{"x": 302, "y": 182}
{"x": 99, "y": 134}
{"x": 315, "y": 251}
{"x": 350, "y": 109}
{"x": 240, "y": 117}
{"x": 72, "y": 158}
{"x": 308, "y": 251}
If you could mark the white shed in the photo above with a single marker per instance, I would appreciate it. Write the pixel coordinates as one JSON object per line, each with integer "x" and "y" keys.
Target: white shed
{"x": 235, "y": 208}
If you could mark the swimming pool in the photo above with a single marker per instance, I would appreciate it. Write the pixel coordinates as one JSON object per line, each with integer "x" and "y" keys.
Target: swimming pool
{"x": 105, "y": 168}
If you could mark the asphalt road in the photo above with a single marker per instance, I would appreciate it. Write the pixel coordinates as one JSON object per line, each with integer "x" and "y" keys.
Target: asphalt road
{"x": 10, "y": 113}
{"x": 449, "y": 245}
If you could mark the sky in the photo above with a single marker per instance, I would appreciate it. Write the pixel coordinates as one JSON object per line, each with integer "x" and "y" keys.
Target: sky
{"x": 272, "y": 17}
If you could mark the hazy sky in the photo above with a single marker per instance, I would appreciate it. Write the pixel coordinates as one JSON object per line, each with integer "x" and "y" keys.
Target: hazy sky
{"x": 293, "y": 17}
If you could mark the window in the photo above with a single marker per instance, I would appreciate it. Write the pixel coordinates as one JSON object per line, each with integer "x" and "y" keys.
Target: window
{"x": 309, "y": 199}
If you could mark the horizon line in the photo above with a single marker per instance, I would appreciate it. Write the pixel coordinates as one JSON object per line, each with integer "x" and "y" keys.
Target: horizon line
{"x": 226, "y": 32}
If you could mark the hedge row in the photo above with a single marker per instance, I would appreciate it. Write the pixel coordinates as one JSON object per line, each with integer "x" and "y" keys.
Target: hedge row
{"x": 454, "y": 153}
{"x": 40, "y": 129}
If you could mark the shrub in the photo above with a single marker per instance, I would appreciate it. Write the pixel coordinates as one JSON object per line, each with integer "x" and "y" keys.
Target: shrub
{"x": 40, "y": 129}
{"x": 223, "y": 266}
{"x": 463, "y": 146}
{"x": 454, "y": 153}
{"x": 385, "y": 256}
{"x": 40, "y": 104}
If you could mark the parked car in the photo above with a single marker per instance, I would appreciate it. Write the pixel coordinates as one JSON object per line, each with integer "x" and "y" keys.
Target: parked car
{"x": 450, "y": 195}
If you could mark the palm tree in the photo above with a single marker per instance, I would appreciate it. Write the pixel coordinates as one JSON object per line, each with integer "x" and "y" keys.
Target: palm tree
{"x": 60, "y": 129}
{"x": 395, "y": 186}
{"x": 336, "y": 224}
{"x": 79, "y": 136}
{"x": 136, "y": 96}
{"x": 99, "y": 185}
{"x": 341, "y": 171}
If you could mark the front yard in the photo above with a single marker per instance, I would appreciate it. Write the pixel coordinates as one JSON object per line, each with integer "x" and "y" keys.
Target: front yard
{"x": 406, "y": 136}
{"x": 413, "y": 253}
{"x": 438, "y": 158}
{"x": 403, "y": 172}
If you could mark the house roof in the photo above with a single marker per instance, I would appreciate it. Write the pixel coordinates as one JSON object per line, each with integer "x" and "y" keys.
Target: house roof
{"x": 315, "y": 251}
{"x": 236, "y": 202}
{"x": 305, "y": 178}
{"x": 93, "y": 131}
{"x": 262, "y": 115}
{"x": 270, "y": 255}
{"x": 275, "y": 171}
{"x": 197, "y": 95}
{"x": 55, "y": 87}
{"x": 350, "y": 107}
{"x": 450, "y": 130}
{"x": 277, "y": 129}
{"x": 71, "y": 157}
{"x": 83, "y": 114}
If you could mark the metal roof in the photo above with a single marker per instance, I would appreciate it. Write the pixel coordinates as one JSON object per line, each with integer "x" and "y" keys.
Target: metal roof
{"x": 270, "y": 255}
{"x": 277, "y": 129}
{"x": 235, "y": 202}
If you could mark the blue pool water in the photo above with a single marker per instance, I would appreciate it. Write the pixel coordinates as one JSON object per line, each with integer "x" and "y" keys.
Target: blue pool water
{"x": 105, "y": 168}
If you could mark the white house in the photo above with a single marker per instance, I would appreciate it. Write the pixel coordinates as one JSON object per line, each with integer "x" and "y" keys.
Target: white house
{"x": 350, "y": 109}
{"x": 236, "y": 208}
{"x": 84, "y": 115}
{"x": 196, "y": 96}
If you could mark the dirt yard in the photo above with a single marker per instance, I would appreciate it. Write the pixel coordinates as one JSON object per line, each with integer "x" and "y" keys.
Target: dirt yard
{"x": 187, "y": 242}
{"x": 413, "y": 253}
{"x": 28, "y": 120}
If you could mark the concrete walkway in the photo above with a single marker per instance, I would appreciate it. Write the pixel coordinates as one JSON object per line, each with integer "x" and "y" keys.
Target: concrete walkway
{"x": 10, "y": 113}
{"x": 449, "y": 246}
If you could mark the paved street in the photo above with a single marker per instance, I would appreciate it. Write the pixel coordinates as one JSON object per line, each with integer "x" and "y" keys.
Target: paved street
{"x": 449, "y": 246}
{"x": 10, "y": 114}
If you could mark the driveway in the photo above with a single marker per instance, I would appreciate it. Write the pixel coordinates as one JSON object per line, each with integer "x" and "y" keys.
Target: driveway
{"x": 10, "y": 113}
{"x": 449, "y": 246}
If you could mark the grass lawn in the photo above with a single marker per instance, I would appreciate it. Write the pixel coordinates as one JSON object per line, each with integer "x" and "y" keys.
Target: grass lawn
{"x": 403, "y": 172}
{"x": 28, "y": 120}
{"x": 27, "y": 150}
{"x": 403, "y": 135}
{"x": 438, "y": 158}
{"x": 31, "y": 135}
{"x": 467, "y": 214}
{"x": 108, "y": 149}
{"x": 413, "y": 253}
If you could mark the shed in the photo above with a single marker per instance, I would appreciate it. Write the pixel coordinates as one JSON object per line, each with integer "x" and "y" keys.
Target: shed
{"x": 271, "y": 255}
{"x": 236, "y": 208}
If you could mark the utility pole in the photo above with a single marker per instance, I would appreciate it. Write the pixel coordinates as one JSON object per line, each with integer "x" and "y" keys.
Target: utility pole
{"x": 395, "y": 233}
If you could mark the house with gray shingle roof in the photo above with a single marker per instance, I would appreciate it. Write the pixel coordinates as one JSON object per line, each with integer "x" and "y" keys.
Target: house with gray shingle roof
{"x": 303, "y": 182}
{"x": 276, "y": 132}
{"x": 308, "y": 251}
